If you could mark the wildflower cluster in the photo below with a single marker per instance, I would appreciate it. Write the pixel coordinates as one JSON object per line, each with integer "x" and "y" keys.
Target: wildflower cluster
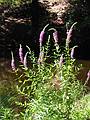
{"x": 23, "y": 59}
{"x": 51, "y": 90}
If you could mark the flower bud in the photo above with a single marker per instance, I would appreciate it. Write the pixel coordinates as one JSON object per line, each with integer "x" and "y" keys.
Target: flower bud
{"x": 69, "y": 34}
{"x": 55, "y": 36}
{"x": 88, "y": 74}
{"x": 25, "y": 60}
{"x": 72, "y": 52}
{"x": 12, "y": 62}
{"x": 41, "y": 37}
{"x": 21, "y": 53}
{"x": 88, "y": 77}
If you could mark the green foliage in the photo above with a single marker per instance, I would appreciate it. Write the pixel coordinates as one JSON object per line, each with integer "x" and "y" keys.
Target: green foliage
{"x": 7, "y": 90}
{"x": 49, "y": 89}
{"x": 53, "y": 90}
{"x": 14, "y": 2}
{"x": 83, "y": 111}
{"x": 52, "y": 101}
{"x": 6, "y": 114}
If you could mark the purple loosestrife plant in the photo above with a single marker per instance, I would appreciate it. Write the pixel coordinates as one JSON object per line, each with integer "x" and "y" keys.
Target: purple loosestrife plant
{"x": 88, "y": 77}
{"x": 12, "y": 62}
{"x": 61, "y": 61}
{"x": 55, "y": 36}
{"x": 21, "y": 53}
{"x": 41, "y": 37}
{"x": 69, "y": 34}
{"x": 88, "y": 74}
{"x": 25, "y": 61}
{"x": 72, "y": 52}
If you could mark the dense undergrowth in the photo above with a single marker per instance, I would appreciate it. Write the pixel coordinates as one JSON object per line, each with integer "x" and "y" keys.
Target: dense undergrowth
{"x": 14, "y": 3}
{"x": 47, "y": 88}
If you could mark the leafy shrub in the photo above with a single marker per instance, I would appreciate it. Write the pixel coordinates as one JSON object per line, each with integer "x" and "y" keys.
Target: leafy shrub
{"x": 51, "y": 89}
{"x": 48, "y": 89}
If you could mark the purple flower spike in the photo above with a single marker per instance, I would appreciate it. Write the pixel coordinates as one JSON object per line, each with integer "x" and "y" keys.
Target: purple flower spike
{"x": 25, "y": 61}
{"x": 88, "y": 74}
{"x": 72, "y": 52}
{"x": 69, "y": 34}
{"x": 55, "y": 36}
{"x": 41, "y": 37}
{"x": 12, "y": 62}
{"x": 88, "y": 77}
{"x": 61, "y": 60}
{"x": 21, "y": 53}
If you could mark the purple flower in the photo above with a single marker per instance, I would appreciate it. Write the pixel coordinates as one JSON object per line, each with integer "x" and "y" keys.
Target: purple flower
{"x": 55, "y": 36}
{"x": 41, "y": 37}
{"x": 88, "y": 74}
{"x": 69, "y": 34}
{"x": 12, "y": 62}
{"x": 88, "y": 77}
{"x": 21, "y": 53}
{"x": 61, "y": 60}
{"x": 25, "y": 61}
{"x": 72, "y": 51}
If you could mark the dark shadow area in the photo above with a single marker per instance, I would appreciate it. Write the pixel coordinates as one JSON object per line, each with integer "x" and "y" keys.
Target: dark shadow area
{"x": 80, "y": 13}
{"x": 21, "y": 25}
